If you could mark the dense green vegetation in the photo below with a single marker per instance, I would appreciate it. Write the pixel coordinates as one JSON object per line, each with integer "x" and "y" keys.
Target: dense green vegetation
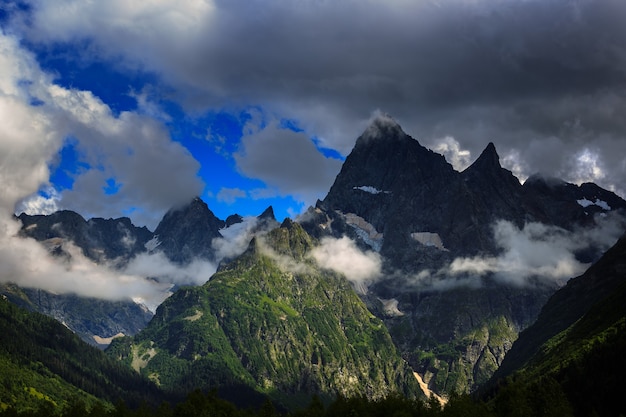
{"x": 199, "y": 404}
{"x": 270, "y": 325}
{"x": 270, "y": 320}
{"x": 574, "y": 354}
{"x": 45, "y": 365}
{"x": 578, "y": 372}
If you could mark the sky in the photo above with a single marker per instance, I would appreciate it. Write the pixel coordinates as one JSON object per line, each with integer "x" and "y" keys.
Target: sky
{"x": 116, "y": 108}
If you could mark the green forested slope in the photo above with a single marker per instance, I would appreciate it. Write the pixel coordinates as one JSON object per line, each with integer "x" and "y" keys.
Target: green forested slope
{"x": 573, "y": 357}
{"x": 43, "y": 364}
{"x": 273, "y": 321}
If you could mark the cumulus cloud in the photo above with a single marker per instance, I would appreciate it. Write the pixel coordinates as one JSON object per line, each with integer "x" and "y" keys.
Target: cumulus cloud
{"x": 287, "y": 162}
{"x": 518, "y": 73}
{"x": 132, "y": 151}
{"x": 343, "y": 256}
{"x": 36, "y": 117}
{"x": 230, "y": 195}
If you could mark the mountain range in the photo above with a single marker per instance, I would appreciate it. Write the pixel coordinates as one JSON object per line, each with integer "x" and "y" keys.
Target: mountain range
{"x": 407, "y": 267}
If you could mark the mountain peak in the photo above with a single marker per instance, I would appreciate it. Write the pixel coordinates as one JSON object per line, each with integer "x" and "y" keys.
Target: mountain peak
{"x": 186, "y": 232}
{"x": 268, "y": 214}
{"x": 382, "y": 126}
{"x": 489, "y": 158}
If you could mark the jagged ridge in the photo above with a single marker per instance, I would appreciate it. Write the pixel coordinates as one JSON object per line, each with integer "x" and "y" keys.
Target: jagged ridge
{"x": 273, "y": 321}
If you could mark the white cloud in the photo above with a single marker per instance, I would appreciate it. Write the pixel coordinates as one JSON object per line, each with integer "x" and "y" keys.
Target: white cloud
{"x": 29, "y": 264}
{"x": 537, "y": 251}
{"x": 235, "y": 238}
{"x": 156, "y": 265}
{"x": 587, "y": 167}
{"x": 133, "y": 150}
{"x": 36, "y": 116}
{"x": 230, "y": 195}
{"x": 46, "y": 202}
{"x": 450, "y": 148}
{"x": 343, "y": 256}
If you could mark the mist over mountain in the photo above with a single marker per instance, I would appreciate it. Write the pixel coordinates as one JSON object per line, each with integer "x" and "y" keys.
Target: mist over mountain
{"x": 573, "y": 353}
{"x": 454, "y": 264}
{"x": 467, "y": 258}
{"x": 274, "y": 321}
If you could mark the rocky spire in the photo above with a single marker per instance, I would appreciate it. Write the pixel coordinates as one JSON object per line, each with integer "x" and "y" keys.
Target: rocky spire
{"x": 187, "y": 232}
{"x": 488, "y": 160}
{"x": 381, "y": 127}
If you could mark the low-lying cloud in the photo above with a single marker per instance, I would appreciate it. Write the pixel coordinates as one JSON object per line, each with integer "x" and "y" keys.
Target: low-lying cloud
{"x": 343, "y": 256}
{"x": 157, "y": 266}
{"x": 535, "y": 253}
{"x": 28, "y": 263}
{"x": 235, "y": 238}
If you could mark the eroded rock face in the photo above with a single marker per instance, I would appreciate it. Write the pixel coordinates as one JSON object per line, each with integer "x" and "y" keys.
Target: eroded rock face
{"x": 187, "y": 232}
{"x": 455, "y": 328}
{"x": 111, "y": 240}
{"x": 95, "y": 321}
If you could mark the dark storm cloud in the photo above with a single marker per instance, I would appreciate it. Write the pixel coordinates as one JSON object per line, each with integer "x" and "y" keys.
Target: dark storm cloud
{"x": 519, "y": 73}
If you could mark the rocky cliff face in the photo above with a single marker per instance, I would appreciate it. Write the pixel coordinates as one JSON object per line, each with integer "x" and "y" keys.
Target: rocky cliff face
{"x": 112, "y": 240}
{"x": 187, "y": 232}
{"x": 406, "y": 202}
{"x": 95, "y": 321}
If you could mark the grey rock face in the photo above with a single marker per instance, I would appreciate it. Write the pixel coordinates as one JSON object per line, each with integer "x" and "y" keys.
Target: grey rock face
{"x": 186, "y": 233}
{"x": 95, "y": 321}
{"x": 115, "y": 240}
{"x": 427, "y": 214}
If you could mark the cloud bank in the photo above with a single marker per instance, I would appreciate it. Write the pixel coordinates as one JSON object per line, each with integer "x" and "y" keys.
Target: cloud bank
{"x": 287, "y": 161}
{"x": 535, "y": 253}
{"x": 539, "y": 78}
{"x": 26, "y": 262}
{"x": 132, "y": 151}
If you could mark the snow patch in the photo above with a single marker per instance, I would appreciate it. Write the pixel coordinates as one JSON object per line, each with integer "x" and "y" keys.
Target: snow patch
{"x": 152, "y": 244}
{"x": 602, "y": 204}
{"x": 429, "y": 239}
{"x": 365, "y": 231}
{"x": 370, "y": 189}
{"x": 390, "y": 307}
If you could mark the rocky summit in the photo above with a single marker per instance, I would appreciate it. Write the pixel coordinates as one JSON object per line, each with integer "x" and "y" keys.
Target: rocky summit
{"x": 454, "y": 325}
{"x": 186, "y": 232}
